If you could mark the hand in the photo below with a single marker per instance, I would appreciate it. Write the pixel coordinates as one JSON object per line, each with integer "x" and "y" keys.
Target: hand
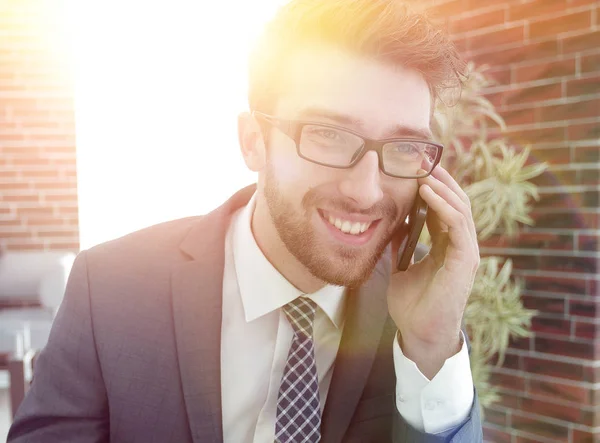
{"x": 427, "y": 301}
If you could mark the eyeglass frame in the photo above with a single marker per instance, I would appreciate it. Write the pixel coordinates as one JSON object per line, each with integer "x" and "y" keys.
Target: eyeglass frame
{"x": 293, "y": 129}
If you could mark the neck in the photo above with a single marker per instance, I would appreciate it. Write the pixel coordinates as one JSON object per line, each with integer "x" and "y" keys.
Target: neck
{"x": 268, "y": 240}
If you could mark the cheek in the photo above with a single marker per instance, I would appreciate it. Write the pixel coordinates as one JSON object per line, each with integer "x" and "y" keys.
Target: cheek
{"x": 293, "y": 172}
{"x": 403, "y": 193}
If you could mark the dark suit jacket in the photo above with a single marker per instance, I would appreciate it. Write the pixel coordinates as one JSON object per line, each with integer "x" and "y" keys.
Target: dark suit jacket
{"x": 134, "y": 352}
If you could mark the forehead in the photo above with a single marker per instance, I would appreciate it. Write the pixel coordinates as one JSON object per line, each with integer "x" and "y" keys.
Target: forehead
{"x": 379, "y": 95}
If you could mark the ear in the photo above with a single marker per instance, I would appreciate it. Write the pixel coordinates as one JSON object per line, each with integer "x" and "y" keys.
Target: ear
{"x": 251, "y": 141}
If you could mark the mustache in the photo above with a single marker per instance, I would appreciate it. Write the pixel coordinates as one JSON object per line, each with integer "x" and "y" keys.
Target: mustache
{"x": 382, "y": 209}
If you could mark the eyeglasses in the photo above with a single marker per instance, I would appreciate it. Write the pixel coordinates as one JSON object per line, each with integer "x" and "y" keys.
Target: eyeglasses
{"x": 338, "y": 147}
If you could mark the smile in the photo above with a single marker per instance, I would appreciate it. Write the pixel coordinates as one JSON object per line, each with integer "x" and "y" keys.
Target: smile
{"x": 349, "y": 228}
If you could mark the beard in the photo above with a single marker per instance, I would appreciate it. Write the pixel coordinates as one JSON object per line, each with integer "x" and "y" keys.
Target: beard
{"x": 332, "y": 263}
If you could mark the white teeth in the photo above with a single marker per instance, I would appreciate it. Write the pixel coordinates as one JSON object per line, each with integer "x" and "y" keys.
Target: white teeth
{"x": 346, "y": 226}
{"x": 349, "y": 227}
{"x": 355, "y": 228}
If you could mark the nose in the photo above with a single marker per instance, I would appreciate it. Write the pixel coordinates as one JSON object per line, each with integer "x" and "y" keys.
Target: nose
{"x": 362, "y": 182}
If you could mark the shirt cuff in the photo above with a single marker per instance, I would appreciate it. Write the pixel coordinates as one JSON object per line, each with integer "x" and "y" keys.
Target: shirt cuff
{"x": 436, "y": 405}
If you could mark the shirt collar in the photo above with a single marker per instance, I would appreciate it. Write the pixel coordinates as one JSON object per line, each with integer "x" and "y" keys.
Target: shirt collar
{"x": 262, "y": 288}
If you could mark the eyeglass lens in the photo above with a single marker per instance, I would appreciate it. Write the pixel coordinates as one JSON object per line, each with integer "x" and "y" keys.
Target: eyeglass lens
{"x": 334, "y": 147}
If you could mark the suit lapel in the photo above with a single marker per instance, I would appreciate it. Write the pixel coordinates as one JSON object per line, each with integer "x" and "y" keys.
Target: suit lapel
{"x": 197, "y": 287}
{"x": 366, "y": 315}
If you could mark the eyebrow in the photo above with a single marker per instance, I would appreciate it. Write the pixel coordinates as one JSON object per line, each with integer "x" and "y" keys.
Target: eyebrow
{"x": 348, "y": 121}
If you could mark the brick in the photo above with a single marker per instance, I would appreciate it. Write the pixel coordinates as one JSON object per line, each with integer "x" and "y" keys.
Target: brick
{"x": 517, "y": 54}
{"x": 15, "y": 234}
{"x": 71, "y": 246}
{"x": 565, "y": 348}
{"x": 590, "y": 63}
{"x": 35, "y": 211}
{"x": 56, "y": 233}
{"x": 555, "y": 411}
{"x": 551, "y": 326}
{"x": 61, "y": 197}
{"x": 496, "y": 417}
{"x": 584, "y": 308}
{"x": 555, "y": 178}
{"x": 584, "y": 86}
{"x": 520, "y": 343}
{"x": 568, "y": 264}
{"x": 21, "y": 198}
{"x": 591, "y": 198}
{"x": 586, "y": 330}
{"x": 588, "y": 242}
{"x": 545, "y": 70}
{"x": 589, "y": 177}
{"x": 14, "y": 186}
{"x": 533, "y": 94}
{"x": 558, "y": 200}
{"x": 584, "y": 108}
{"x": 507, "y": 381}
{"x": 583, "y": 437}
{"x": 25, "y": 247}
{"x": 446, "y": 9}
{"x": 576, "y": 21}
{"x": 591, "y": 374}
{"x": 29, "y": 161}
{"x": 593, "y": 288}
{"x": 529, "y": 136}
{"x": 496, "y": 98}
{"x": 46, "y": 185}
{"x": 565, "y": 219}
{"x": 533, "y": 9}
{"x": 532, "y": 240}
{"x": 538, "y": 427}
{"x": 494, "y": 39}
{"x": 586, "y": 154}
{"x": 580, "y": 42}
{"x": 548, "y": 305}
{"x": 519, "y": 438}
{"x": 478, "y": 21}
{"x": 559, "y": 392}
{"x": 45, "y": 221}
{"x": 512, "y": 361}
{"x": 509, "y": 400}
{"x": 495, "y": 435}
{"x": 499, "y": 75}
{"x": 518, "y": 117}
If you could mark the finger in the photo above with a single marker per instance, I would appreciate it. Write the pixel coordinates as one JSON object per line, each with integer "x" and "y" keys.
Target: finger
{"x": 444, "y": 176}
{"x": 455, "y": 200}
{"x": 457, "y": 203}
{"x": 444, "y": 191}
{"x": 458, "y": 230}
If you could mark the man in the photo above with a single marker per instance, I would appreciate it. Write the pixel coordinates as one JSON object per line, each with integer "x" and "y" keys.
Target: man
{"x": 279, "y": 316}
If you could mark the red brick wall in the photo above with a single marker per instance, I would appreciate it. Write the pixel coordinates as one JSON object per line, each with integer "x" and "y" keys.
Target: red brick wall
{"x": 38, "y": 188}
{"x": 545, "y": 56}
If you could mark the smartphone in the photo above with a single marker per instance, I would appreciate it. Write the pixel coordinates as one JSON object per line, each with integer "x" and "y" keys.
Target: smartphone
{"x": 413, "y": 226}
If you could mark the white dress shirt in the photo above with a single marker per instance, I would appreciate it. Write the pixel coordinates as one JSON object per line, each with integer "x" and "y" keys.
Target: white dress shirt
{"x": 256, "y": 338}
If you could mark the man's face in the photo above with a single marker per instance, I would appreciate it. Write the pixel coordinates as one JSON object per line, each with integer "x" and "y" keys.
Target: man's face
{"x": 306, "y": 201}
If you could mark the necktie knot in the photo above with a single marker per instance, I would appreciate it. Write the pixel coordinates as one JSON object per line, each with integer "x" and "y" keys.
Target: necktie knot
{"x": 300, "y": 314}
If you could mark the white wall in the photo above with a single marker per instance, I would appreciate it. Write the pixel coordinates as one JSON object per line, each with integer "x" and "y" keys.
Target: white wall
{"x": 158, "y": 89}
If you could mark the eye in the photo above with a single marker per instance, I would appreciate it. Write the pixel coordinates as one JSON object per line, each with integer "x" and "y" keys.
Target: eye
{"x": 329, "y": 134}
{"x": 407, "y": 148}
